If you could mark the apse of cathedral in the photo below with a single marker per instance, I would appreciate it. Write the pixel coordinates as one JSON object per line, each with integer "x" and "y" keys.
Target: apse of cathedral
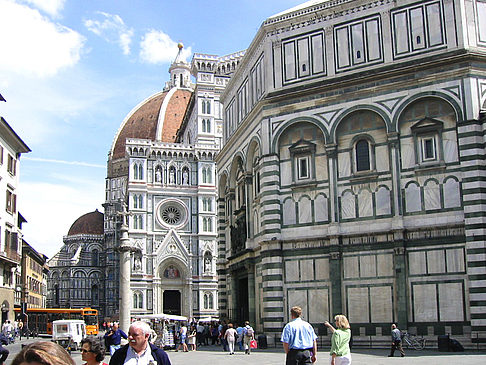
{"x": 160, "y": 170}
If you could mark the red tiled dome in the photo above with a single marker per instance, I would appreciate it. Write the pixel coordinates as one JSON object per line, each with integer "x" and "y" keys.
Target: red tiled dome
{"x": 90, "y": 223}
{"x": 142, "y": 122}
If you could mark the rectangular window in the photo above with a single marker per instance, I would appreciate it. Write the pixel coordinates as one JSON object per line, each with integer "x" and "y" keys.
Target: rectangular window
{"x": 11, "y": 202}
{"x": 11, "y": 165}
{"x": 428, "y": 149}
{"x": 303, "y": 168}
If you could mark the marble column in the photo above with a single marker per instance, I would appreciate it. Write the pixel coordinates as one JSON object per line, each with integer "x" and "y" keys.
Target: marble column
{"x": 251, "y": 294}
{"x": 125, "y": 251}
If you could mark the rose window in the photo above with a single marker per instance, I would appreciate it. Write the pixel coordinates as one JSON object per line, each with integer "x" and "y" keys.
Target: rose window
{"x": 171, "y": 215}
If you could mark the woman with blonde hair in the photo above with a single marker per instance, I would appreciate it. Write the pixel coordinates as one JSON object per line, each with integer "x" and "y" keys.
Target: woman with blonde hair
{"x": 341, "y": 335}
{"x": 43, "y": 353}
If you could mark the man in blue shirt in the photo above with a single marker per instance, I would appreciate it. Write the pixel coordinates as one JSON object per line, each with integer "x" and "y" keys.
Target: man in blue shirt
{"x": 114, "y": 338}
{"x": 299, "y": 340}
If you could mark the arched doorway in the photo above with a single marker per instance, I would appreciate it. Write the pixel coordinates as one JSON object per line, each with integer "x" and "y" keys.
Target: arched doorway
{"x": 172, "y": 302}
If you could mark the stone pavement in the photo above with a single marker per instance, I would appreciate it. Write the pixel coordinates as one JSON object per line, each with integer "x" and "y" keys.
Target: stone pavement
{"x": 213, "y": 355}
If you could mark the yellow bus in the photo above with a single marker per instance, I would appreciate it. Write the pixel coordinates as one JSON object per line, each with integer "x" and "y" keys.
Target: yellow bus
{"x": 39, "y": 320}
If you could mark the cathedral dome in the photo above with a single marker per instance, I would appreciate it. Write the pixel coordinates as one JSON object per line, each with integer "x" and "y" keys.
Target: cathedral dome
{"x": 157, "y": 118}
{"x": 89, "y": 223}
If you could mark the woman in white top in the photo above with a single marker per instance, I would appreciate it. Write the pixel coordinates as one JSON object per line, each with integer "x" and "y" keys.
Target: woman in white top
{"x": 230, "y": 336}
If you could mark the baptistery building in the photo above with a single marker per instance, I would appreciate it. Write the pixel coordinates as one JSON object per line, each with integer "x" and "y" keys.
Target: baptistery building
{"x": 352, "y": 168}
{"x": 162, "y": 176}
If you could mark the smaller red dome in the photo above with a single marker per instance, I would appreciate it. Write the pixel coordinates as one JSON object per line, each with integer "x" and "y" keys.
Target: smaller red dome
{"x": 90, "y": 223}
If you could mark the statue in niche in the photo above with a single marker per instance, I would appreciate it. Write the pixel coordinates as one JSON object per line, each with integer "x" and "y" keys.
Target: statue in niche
{"x": 137, "y": 264}
{"x": 207, "y": 263}
{"x": 172, "y": 176}
{"x": 171, "y": 272}
{"x": 185, "y": 177}
{"x": 158, "y": 176}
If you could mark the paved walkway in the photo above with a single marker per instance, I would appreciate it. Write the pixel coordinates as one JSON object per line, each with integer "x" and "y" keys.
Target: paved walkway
{"x": 213, "y": 355}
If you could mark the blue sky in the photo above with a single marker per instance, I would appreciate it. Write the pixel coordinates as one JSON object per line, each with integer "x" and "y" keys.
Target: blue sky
{"x": 72, "y": 70}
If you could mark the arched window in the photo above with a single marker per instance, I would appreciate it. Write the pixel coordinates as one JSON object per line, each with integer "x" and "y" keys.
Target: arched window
{"x": 94, "y": 258}
{"x": 140, "y": 222}
{"x": 362, "y": 155}
{"x": 203, "y": 126}
{"x": 137, "y": 300}
{"x": 135, "y": 201}
{"x": 208, "y": 107}
{"x": 204, "y": 177}
{"x": 140, "y": 201}
{"x": 203, "y": 107}
{"x": 94, "y": 295}
{"x": 56, "y": 294}
{"x": 206, "y": 301}
{"x": 211, "y": 301}
{"x": 205, "y": 224}
{"x": 140, "y": 172}
{"x": 135, "y": 171}
{"x": 208, "y": 126}
{"x": 208, "y": 175}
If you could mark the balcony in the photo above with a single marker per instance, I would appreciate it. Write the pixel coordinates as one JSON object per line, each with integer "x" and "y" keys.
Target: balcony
{"x": 10, "y": 256}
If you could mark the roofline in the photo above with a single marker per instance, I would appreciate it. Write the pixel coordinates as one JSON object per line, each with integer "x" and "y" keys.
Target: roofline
{"x": 40, "y": 257}
{"x": 18, "y": 143}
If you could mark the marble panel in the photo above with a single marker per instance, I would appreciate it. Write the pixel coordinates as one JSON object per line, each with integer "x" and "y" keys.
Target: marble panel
{"x": 321, "y": 170}
{"x": 322, "y": 269}
{"x": 321, "y": 209}
{"x": 451, "y": 304}
{"x": 417, "y": 28}
{"x": 382, "y": 160}
{"x": 436, "y": 262}
{"x": 450, "y": 147}
{"x": 318, "y": 62}
{"x": 481, "y": 7}
{"x": 382, "y": 198}
{"x": 306, "y": 270}
{"x": 417, "y": 263}
{"x": 424, "y": 303}
{"x": 342, "y": 40}
{"x": 305, "y": 210}
{"x": 303, "y": 57}
{"x": 292, "y": 271}
{"x": 413, "y": 201}
{"x": 367, "y": 266}
{"x": 286, "y": 173}
{"x": 348, "y": 205}
{"x": 384, "y": 265}
{"x": 284, "y": 153}
{"x": 365, "y": 203}
{"x": 452, "y": 197}
{"x": 434, "y": 24}
{"x": 351, "y": 267}
{"x": 407, "y": 153}
{"x": 432, "y": 195}
{"x": 455, "y": 260}
{"x": 289, "y": 212}
{"x": 400, "y": 31}
{"x": 358, "y": 305}
{"x": 373, "y": 39}
{"x": 298, "y": 297}
{"x": 344, "y": 167}
{"x": 289, "y": 60}
{"x": 318, "y": 305}
{"x": 381, "y": 304}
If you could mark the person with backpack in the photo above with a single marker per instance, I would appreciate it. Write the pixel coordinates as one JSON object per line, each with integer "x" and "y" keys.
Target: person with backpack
{"x": 248, "y": 336}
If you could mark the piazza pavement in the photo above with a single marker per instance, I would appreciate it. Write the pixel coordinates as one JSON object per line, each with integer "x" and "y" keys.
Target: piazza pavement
{"x": 214, "y": 355}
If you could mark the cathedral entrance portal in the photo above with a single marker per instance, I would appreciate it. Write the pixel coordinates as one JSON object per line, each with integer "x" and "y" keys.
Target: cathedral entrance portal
{"x": 172, "y": 302}
{"x": 242, "y": 301}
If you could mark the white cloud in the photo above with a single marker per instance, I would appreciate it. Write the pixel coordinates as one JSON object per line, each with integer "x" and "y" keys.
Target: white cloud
{"x": 33, "y": 44}
{"x": 63, "y": 162}
{"x": 111, "y": 28}
{"x": 158, "y": 47}
{"x": 51, "y": 7}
